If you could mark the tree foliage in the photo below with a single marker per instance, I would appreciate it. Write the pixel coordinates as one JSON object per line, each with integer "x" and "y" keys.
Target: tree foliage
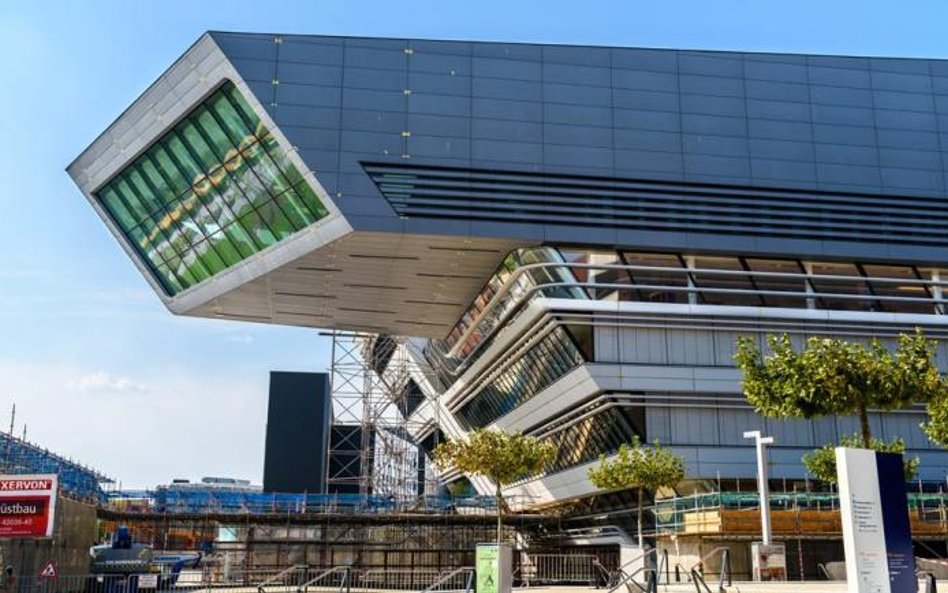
{"x": 641, "y": 467}
{"x": 834, "y": 377}
{"x": 937, "y": 426}
{"x": 821, "y": 463}
{"x": 498, "y": 456}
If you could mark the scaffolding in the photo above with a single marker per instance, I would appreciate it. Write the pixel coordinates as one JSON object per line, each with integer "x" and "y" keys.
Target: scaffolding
{"x": 373, "y": 449}
{"x": 76, "y": 481}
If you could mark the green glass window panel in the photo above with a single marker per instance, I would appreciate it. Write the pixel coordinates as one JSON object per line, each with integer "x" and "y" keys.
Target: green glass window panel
{"x": 157, "y": 181}
{"x": 258, "y": 229}
{"x": 294, "y": 208}
{"x": 213, "y": 191}
{"x": 146, "y": 192}
{"x": 225, "y": 249}
{"x": 170, "y": 170}
{"x": 213, "y": 133}
{"x": 186, "y": 277}
{"x": 268, "y": 173}
{"x": 230, "y": 121}
{"x": 118, "y": 209}
{"x": 230, "y": 194}
{"x": 241, "y": 240}
{"x": 131, "y": 201}
{"x": 199, "y": 148}
{"x": 250, "y": 118}
{"x": 208, "y": 256}
{"x": 254, "y": 190}
{"x": 277, "y": 220}
{"x": 169, "y": 278}
{"x": 187, "y": 167}
{"x": 308, "y": 196}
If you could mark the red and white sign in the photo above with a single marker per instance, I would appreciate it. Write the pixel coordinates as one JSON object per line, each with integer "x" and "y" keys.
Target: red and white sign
{"x": 27, "y": 506}
{"x": 49, "y": 571}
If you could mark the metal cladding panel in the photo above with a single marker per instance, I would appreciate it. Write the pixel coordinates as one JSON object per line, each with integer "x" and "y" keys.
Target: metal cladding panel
{"x": 297, "y": 442}
{"x": 853, "y": 126}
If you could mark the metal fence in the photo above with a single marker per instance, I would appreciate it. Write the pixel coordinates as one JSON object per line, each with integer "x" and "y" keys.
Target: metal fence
{"x": 560, "y": 569}
{"x": 294, "y": 579}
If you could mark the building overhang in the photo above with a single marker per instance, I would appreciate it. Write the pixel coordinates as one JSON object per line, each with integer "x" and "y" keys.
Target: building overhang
{"x": 325, "y": 275}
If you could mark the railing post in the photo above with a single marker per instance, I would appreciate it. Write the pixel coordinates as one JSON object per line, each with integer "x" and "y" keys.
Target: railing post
{"x": 665, "y": 562}
{"x": 725, "y": 570}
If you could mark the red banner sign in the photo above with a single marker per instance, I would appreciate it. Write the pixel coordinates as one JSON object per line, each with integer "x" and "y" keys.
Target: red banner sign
{"x": 27, "y": 506}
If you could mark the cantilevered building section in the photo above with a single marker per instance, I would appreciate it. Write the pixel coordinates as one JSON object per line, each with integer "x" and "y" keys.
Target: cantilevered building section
{"x": 573, "y": 236}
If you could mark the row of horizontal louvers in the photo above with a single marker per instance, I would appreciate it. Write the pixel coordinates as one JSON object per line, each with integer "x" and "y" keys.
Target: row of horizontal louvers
{"x": 504, "y": 196}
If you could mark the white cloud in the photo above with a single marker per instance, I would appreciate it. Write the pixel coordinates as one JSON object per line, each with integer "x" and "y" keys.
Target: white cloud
{"x": 102, "y": 382}
{"x": 220, "y": 412}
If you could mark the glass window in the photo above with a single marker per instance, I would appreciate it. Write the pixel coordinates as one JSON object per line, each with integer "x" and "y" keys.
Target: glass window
{"x": 539, "y": 366}
{"x": 213, "y": 191}
{"x": 839, "y": 279}
{"x": 593, "y": 429}
{"x": 653, "y": 282}
{"x": 901, "y": 282}
{"x": 723, "y": 275}
{"x": 780, "y": 282}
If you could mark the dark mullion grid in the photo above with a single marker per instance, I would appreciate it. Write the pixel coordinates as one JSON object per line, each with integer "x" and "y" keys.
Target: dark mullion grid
{"x": 936, "y": 307}
{"x": 870, "y": 288}
{"x": 155, "y": 252}
{"x": 260, "y": 142}
{"x": 546, "y": 362}
{"x": 165, "y": 146}
{"x": 808, "y": 284}
{"x": 746, "y": 267}
{"x": 625, "y": 261}
{"x": 236, "y": 220}
{"x": 166, "y": 235}
{"x": 165, "y": 209}
{"x": 193, "y": 188}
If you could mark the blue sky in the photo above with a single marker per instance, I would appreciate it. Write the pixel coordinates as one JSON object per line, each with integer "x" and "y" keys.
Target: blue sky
{"x": 97, "y": 367}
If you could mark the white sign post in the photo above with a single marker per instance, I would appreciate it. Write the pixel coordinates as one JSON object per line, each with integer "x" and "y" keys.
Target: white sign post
{"x": 768, "y": 560}
{"x": 874, "y": 510}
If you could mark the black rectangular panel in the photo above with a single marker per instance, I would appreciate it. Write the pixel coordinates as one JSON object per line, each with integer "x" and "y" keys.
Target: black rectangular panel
{"x": 298, "y": 417}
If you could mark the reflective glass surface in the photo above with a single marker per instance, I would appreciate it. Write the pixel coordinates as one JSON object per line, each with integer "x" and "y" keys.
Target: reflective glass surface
{"x": 591, "y": 430}
{"x": 505, "y": 291}
{"x": 546, "y": 361}
{"x": 211, "y": 192}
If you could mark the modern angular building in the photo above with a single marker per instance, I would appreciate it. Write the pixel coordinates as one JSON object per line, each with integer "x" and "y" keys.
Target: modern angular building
{"x": 573, "y": 237}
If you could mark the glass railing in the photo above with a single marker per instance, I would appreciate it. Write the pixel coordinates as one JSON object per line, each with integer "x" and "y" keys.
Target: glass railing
{"x": 546, "y": 272}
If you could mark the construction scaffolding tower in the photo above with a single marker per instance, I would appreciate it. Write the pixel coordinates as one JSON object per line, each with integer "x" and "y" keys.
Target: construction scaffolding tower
{"x": 77, "y": 481}
{"x": 373, "y": 449}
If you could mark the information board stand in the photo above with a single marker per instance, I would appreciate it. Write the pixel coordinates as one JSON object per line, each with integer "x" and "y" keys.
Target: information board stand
{"x": 876, "y": 535}
{"x": 494, "y": 566}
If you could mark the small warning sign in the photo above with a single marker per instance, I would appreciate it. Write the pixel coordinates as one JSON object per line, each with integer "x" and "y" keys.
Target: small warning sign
{"x": 49, "y": 571}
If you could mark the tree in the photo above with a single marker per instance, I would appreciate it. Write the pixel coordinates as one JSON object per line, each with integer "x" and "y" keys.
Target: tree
{"x": 834, "y": 377}
{"x": 498, "y": 456}
{"x": 821, "y": 463}
{"x": 641, "y": 467}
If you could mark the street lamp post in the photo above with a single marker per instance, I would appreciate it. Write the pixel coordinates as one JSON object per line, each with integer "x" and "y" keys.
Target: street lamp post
{"x": 762, "y": 486}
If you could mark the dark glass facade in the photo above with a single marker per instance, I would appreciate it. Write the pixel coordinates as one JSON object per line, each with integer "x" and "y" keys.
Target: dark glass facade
{"x": 211, "y": 192}
{"x": 540, "y": 365}
{"x": 591, "y": 429}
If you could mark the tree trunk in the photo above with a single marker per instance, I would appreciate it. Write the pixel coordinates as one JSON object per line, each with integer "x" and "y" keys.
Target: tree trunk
{"x": 639, "y": 523}
{"x": 500, "y": 511}
{"x": 864, "y": 425}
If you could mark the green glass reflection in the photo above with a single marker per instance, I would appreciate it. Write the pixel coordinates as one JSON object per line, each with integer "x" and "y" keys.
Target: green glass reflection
{"x": 211, "y": 192}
